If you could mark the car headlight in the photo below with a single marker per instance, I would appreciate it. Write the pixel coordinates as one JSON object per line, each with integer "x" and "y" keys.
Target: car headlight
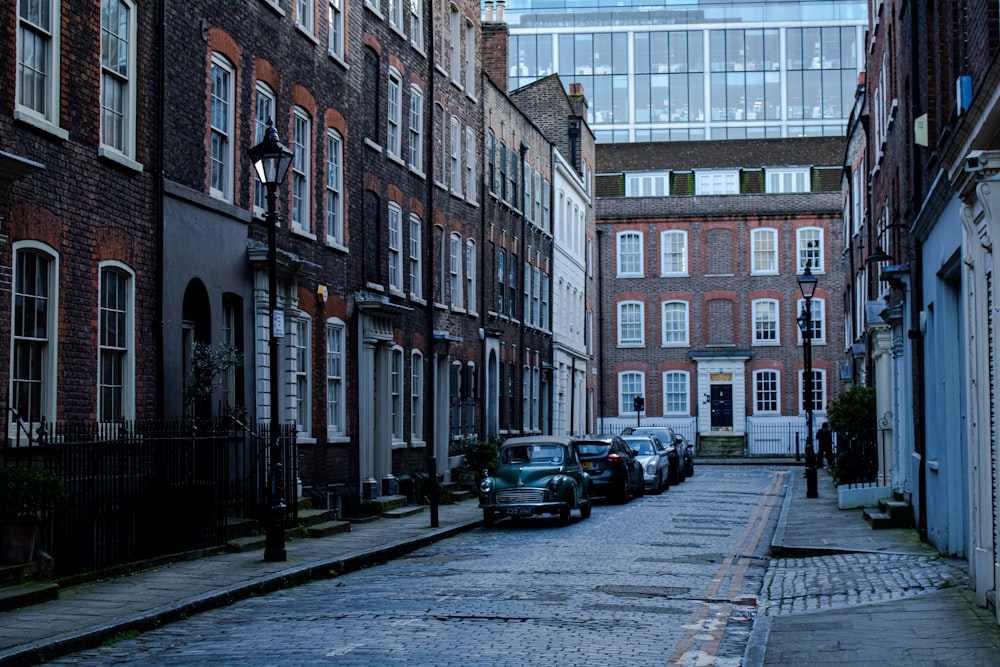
{"x": 486, "y": 485}
{"x": 554, "y": 483}
{"x": 651, "y": 469}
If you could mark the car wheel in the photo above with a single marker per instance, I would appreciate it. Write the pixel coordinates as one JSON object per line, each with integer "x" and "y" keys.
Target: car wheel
{"x": 489, "y": 517}
{"x": 564, "y": 516}
{"x": 622, "y": 495}
{"x": 585, "y": 510}
{"x": 674, "y": 476}
{"x": 690, "y": 468}
{"x": 666, "y": 480}
{"x": 661, "y": 483}
{"x": 640, "y": 488}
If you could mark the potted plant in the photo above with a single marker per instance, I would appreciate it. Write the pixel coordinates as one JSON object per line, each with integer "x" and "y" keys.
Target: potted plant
{"x": 24, "y": 494}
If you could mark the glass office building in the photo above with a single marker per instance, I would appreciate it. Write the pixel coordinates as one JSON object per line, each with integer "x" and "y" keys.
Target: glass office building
{"x": 678, "y": 70}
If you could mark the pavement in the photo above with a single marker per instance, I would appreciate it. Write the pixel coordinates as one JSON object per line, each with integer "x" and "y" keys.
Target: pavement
{"x": 836, "y": 593}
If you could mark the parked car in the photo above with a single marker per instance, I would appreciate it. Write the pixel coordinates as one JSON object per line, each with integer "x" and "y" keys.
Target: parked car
{"x": 536, "y": 475}
{"x": 612, "y": 466}
{"x": 652, "y": 455}
{"x": 682, "y": 463}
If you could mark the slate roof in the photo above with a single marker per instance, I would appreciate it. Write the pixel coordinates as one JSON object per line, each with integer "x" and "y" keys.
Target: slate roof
{"x": 713, "y": 206}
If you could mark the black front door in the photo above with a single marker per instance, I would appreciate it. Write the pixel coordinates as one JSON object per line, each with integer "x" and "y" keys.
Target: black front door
{"x": 722, "y": 407}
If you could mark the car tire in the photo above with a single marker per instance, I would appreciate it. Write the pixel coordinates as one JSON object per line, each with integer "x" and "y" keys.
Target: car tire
{"x": 622, "y": 495}
{"x": 489, "y": 518}
{"x": 690, "y": 468}
{"x": 640, "y": 489}
{"x": 666, "y": 481}
{"x": 564, "y": 516}
{"x": 585, "y": 510}
{"x": 674, "y": 475}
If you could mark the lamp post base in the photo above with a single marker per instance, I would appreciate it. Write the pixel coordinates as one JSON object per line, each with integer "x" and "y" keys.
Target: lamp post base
{"x": 811, "y": 482}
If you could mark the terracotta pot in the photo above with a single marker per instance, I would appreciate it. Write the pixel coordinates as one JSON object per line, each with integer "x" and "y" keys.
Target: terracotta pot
{"x": 17, "y": 540}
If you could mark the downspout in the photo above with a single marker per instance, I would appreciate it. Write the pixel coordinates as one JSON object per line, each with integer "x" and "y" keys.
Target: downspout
{"x": 572, "y": 397}
{"x": 600, "y": 328}
{"x": 916, "y": 282}
{"x": 427, "y": 232}
{"x": 158, "y": 203}
{"x": 524, "y": 261}
{"x": 484, "y": 376}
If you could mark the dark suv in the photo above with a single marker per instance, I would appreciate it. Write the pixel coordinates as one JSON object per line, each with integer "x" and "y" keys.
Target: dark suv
{"x": 613, "y": 468}
{"x": 681, "y": 459}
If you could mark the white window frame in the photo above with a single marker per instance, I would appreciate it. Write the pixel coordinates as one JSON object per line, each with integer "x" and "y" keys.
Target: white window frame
{"x": 37, "y": 84}
{"x": 805, "y": 252}
{"x": 455, "y": 159}
{"x": 759, "y": 397}
{"x": 334, "y": 188}
{"x": 416, "y": 24}
{"x": 470, "y": 165}
{"x": 300, "y": 369}
{"x": 395, "y": 243}
{"x": 301, "y": 166}
{"x": 396, "y": 15}
{"x": 118, "y": 87}
{"x": 647, "y": 184}
{"x": 123, "y": 348}
{"x": 305, "y": 16}
{"x": 786, "y": 180}
{"x": 817, "y": 309}
{"x": 396, "y": 395}
{"x": 766, "y": 312}
{"x": 470, "y": 59}
{"x": 630, "y": 260}
{"x": 674, "y": 336}
{"x": 455, "y": 45}
{"x": 416, "y": 398}
{"x": 673, "y": 253}
{"x": 470, "y": 275}
{"x": 819, "y": 390}
{"x": 671, "y": 396}
{"x": 336, "y": 331}
{"x": 529, "y": 210}
{"x": 221, "y": 124}
{"x": 263, "y": 113}
{"x": 717, "y": 182}
{"x": 416, "y": 129}
{"x": 394, "y": 115}
{"x": 764, "y": 251}
{"x": 631, "y": 331}
{"x": 630, "y": 385}
{"x": 335, "y": 30}
{"x": 455, "y": 246}
{"x": 415, "y": 260}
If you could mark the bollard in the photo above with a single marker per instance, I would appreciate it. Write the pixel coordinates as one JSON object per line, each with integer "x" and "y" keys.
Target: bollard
{"x": 432, "y": 493}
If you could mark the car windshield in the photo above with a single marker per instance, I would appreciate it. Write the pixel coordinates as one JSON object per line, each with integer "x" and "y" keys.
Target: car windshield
{"x": 521, "y": 454}
{"x": 594, "y": 448}
{"x": 644, "y": 445}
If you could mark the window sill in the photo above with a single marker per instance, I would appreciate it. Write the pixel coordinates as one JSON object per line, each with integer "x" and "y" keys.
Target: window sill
{"x": 337, "y": 58}
{"x": 418, "y": 444}
{"x": 395, "y": 158}
{"x": 41, "y": 124}
{"x": 120, "y": 159}
{"x": 299, "y": 231}
{"x": 372, "y": 145}
{"x": 307, "y": 33}
{"x": 336, "y": 438}
{"x": 334, "y": 245}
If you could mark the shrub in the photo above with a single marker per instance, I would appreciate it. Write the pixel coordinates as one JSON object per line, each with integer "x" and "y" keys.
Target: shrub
{"x": 481, "y": 455}
{"x": 26, "y": 491}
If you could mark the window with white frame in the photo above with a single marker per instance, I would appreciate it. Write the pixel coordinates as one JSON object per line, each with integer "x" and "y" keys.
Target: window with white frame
{"x": 502, "y": 159}
{"x": 116, "y": 352}
{"x": 221, "y": 172}
{"x": 38, "y": 59}
{"x": 512, "y": 176}
{"x": 394, "y": 114}
{"x": 334, "y": 188}
{"x": 470, "y": 165}
{"x": 34, "y": 333}
{"x": 546, "y": 212}
{"x": 529, "y": 210}
{"x": 544, "y": 315}
{"x": 416, "y": 396}
{"x": 444, "y": 248}
{"x": 765, "y": 322}
{"x": 305, "y": 15}
{"x": 536, "y": 296}
{"x": 536, "y": 199}
{"x": 455, "y": 45}
{"x": 301, "y": 143}
{"x": 630, "y": 324}
{"x": 117, "y": 76}
{"x": 335, "y": 376}
{"x": 717, "y": 182}
{"x": 647, "y": 184}
{"x": 395, "y": 247}
{"x": 440, "y": 143}
{"x": 536, "y": 390}
{"x": 787, "y": 181}
{"x": 676, "y": 392}
{"x": 631, "y": 385}
{"x": 455, "y": 161}
{"x": 764, "y": 251}
{"x": 817, "y": 309}
{"x": 396, "y": 394}
{"x": 263, "y": 114}
{"x": 470, "y": 59}
{"x": 809, "y": 249}
{"x": 416, "y": 270}
{"x": 416, "y": 23}
{"x": 396, "y": 14}
{"x": 470, "y": 274}
{"x": 629, "y": 254}
{"x": 299, "y": 358}
{"x": 766, "y": 392}
{"x": 335, "y": 29}
{"x": 455, "y": 270}
{"x": 416, "y": 134}
{"x": 675, "y": 324}
{"x": 491, "y": 174}
{"x": 512, "y": 287}
{"x": 526, "y": 397}
{"x": 818, "y": 390}
{"x": 673, "y": 248}
{"x": 232, "y": 312}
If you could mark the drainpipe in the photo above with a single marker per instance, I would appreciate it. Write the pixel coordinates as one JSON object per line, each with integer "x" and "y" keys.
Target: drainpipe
{"x": 600, "y": 329}
{"x": 158, "y": 202}
{"x": 524, "y": 260}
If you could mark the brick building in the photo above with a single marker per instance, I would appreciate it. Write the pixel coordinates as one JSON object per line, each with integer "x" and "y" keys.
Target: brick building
{"x": 701, "y": 245}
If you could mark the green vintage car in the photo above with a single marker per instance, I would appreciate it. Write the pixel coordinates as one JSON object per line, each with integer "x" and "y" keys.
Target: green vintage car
{"x": 536, "y": 475}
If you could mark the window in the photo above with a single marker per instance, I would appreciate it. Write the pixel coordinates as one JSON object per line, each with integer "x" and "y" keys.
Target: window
{"x": 526, "y": 398}
{"x": 416, "y": 24}
{"x": 455, "y": 270}
{"x": 629, "y": 254}
{"x": 764, "y": 251}
{"x": 117, "y": 76}
{"x": 441, "y": 144}
{"x": 299, "y": 364}
{"x": 334, "y": 188}
{"x": 501, "y": 280}
{"x": 416, "y": 270}
{"x": 470, "y": 164}
{"x": 512, "y": 174}
{"x": 416, "y": 397}
{"x": 221, "y": 177}
{"x": 416, "y": 129}
{"x": 38, "y": 31}
{"x": 631, "y": 385}
{"x": 537, "y": 199}
{"x": 536, "y": 296}
{"x": 396, "y": 394}
{"x": 470, "y": 59}
{"x": 115, "y": 376}
{"x": 503, "y": 170}
{"x": 394, "y": 115}
{"x": 630, "y": 324}
{"x": 528, "y": 209}
{"x": 675, "y": 323}
{"x": 470, "y": 274}
{"x": 335, "y": 376}
{"x": 335, "y": 32}
{"x": 491, "y": 175}
{"x": 787, "y": 181}
{"x": 395, "y": 248}
{"x": 765, "y": 390}
{"x": 809, "y": 249}
{"x": 512, "y": 287}
{"x": 676, "y": 393}
{"x": 817, "y": 309}
{"x": 232, "y": 335}
{"x": 647, "y": 184}
{"x": 544, "y": 322}
{"x": 33, "y": 328}
{"x": 765, "y": 322}
{"x": 674, "y": 258}
{"x": 818, "y": 390}
{"x": 455, "y": 163}
{"x": 301, "y": 133}
{"x": 546, "y": 213}
{"x": 455, "y": 45}
{"x": 396, "y": 14}
{"x": 264, "y": 114}
{"x": 715, "y": 182}
{"x": 305, "y": 15}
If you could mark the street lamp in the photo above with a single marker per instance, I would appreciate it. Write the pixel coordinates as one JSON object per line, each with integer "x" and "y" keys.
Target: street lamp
{"x": 271, "y": 159}
{"x": 807, "y": 284}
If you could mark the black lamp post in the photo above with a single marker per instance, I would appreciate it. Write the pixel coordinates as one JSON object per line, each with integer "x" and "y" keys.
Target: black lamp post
{"x": 807, "y": 284}
{"x": 271, "y": 159}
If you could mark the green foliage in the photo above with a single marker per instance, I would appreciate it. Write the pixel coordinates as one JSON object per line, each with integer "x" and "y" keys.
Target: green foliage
{"x": 26, "y": 491}
{"x": 208, "y": 363}
{"x": 853, "y": 411}
{"x": 480, "y": 455}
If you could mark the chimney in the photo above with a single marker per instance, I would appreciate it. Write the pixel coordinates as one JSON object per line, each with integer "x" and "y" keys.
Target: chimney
{"x": 489, "y": 11}
{"x": 495, "y": 39}
{"x": 500, "y": 6}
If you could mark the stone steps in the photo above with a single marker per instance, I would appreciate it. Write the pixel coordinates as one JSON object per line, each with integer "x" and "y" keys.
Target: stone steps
{"x": 889, "y": 514}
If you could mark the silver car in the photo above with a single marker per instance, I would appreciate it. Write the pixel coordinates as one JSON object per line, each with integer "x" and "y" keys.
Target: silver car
{"x": 655, "y": 464}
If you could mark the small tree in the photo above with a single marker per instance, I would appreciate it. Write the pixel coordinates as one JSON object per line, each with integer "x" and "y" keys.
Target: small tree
{"x": 853, "y": 411}
{"x": 208, "y": 363}
{"x": 480, "y": 456}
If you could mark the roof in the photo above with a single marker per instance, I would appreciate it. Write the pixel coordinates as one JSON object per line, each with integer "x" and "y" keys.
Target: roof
{"x": 705, "y": 206}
